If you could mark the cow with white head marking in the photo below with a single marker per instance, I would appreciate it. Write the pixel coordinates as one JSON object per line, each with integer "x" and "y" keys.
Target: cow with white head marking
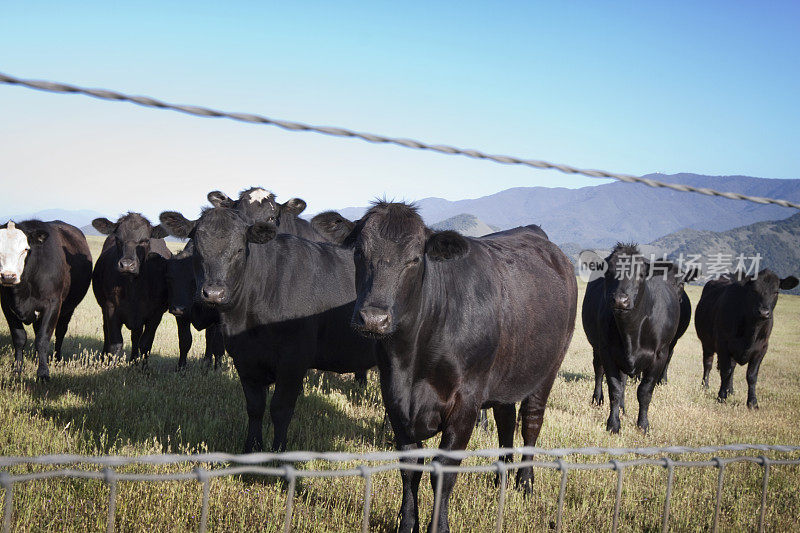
{"x": 45, "y": 270}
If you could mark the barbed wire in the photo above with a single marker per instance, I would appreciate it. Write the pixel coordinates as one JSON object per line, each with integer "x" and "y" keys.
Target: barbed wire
{"x": 283, "y": 465}
{"x": 200, "y": 111}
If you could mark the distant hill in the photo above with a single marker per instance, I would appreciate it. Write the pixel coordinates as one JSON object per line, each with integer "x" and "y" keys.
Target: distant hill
{"x": 76, "y": 217}
{"x": 777, "y": 241}
{"x": 465, "y": 224}
{"x": 600, "y": 215}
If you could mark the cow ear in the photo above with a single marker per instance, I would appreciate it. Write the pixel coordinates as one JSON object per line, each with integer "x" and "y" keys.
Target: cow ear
{"x": 176, "y": 224}
{"x": 104, "y": 226}
{"x": 295, "y": 206}
{"x": 446, "y": 246}
{"x": 220, "y": 199}
{"x": 158, "y": 232}
{"x": 789, "y": 283}
{"x": 261, "y": 232}
{"x": 332, "y": 226}
{"x": 37, "y": 236}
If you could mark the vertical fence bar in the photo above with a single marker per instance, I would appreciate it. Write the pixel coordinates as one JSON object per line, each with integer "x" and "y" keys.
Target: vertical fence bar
{"x": 205, "y": 480}
{"x": 366, "y": 473}
{"x": 111, "y": 481}
{"x": 561, "y": 490}
{"x": 718, "y": 502}
{"x": 762, "y": 512}
{"x": 502, "y": 475}
{"x": 291, "y": 477}
{"x": 437, "y": 497}
{"x": 618, "y": 497}
{"x": 8, "y": 505}
{"x": 670, "y": 477}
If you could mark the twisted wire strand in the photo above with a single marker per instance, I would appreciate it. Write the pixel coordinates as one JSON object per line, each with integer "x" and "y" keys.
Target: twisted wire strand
{"x": 146, "y": 101}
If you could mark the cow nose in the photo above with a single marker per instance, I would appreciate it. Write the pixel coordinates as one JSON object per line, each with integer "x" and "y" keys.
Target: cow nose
{"x": 213, "y": 294}
{"x": 375, "y": 319}
{"x": 765, "y": 312}
{"x": 127, "y": 265}
{"x": 177, "y": 310}
{"x": 622, "y": 301}
{"x": 8, "y": 277}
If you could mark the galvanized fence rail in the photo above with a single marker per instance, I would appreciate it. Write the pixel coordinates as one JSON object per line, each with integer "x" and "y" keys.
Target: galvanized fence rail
{"x": 284, "y": 466}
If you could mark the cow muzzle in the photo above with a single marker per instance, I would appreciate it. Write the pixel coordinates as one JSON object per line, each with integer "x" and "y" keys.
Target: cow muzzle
{"x": 9, "y": 278}
{"x": 214, "y": 294}
{"x": 373, "y": 321}
{"x": 622, "y": 302}
{"x": 128, "y": 266}
{"x": 764, "y": 313}
{"x": 177, "y": 310}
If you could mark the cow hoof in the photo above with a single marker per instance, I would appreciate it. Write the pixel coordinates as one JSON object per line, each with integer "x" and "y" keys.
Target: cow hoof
{"x": 613, "y": 428}
{"x": 597, "y": 401}
{"x": 720, "y": 399}
{"x": 643, "y": 427}
{"x": 753, "y": 406}
{"x": 43, "y": 374}
{"x": 704, "y": 384}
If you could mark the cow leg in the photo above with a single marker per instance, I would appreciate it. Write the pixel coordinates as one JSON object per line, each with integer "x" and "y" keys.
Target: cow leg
{"x": 455, "y": 436}
{"x": 597, "y": 397}
{"x": 185, "y": 340}
{"x": 18, "y": 337}
{"x": 136, "y": 338}
{"x": 288, "y": 385}
{"x": 752, "y": 378}
{"x": 148, "y": 336}
{"x": 255, "y": 395}
{"x": 409, "y": 507}
{"x": 616, "y": 396}
{"x": 114, "y": 334}
{"x": 61, "y": 332}
{"x": 708, "y": 360}
{"x": 644, "y": 394}
{"x": 531, "y": 413}
{"x": 725, "y": 364}
{"x": 505, "y": 416}
{"x": 43, "y": 328}
{"x": 361, "y": 378}
{"x": 216, "y": 343}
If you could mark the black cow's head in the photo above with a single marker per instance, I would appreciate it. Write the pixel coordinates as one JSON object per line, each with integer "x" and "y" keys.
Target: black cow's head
{"x": 258, "y": 205}
{"x": 625, "y": 277}
{"x": 391, "y": 248}
{"x": 761, "y": 292}
{"x": 132, "y": 234}
{"x": 221, "y": 237}
{"x": 332, "y": 226}
{"x": 181, "y": 287}
{"x": 16, "y": 244}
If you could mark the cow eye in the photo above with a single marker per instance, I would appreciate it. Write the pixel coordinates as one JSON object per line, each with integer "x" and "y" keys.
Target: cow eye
{"x": 413, "y": 262}
{"x": 143, "y": 242}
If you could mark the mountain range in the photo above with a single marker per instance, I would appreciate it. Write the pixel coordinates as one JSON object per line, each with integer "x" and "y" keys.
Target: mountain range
{"x": 600, "y": 215}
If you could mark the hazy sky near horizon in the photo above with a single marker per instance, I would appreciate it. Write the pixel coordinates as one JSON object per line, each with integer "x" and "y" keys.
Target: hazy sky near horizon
{"x": 634, "y": 87}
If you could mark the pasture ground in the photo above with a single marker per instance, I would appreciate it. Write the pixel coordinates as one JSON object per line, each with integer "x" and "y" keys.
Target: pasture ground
{"x": 115, "y": 408}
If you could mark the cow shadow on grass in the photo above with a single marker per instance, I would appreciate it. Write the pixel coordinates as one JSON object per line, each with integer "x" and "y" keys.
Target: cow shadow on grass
{"x": 127, "y": 408}
{"x": 575, "y": 376}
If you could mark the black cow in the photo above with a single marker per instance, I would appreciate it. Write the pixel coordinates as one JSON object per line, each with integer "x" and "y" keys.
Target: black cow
{"x": 465, "y": 323}
{"x": 734, "y": 320}
{"x": 631, "y": 317}
{"x": 285, "y": 305}
{"x": 129, "y": 282}
{"x": 45, "y": 271}
{"x": 188, "y": 312}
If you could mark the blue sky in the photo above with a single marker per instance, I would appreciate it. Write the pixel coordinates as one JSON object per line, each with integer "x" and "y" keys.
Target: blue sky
{"x": 635, "y": 87}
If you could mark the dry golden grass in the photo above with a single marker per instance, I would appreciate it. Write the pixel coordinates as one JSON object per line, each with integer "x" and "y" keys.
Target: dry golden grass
{"x": 94, "y": 408}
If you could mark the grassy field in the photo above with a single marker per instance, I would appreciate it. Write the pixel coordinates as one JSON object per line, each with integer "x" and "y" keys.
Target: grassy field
{"x": 94, "y": 408}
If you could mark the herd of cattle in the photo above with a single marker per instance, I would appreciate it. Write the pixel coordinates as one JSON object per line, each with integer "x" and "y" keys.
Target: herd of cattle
{"x": 454, "y": 324}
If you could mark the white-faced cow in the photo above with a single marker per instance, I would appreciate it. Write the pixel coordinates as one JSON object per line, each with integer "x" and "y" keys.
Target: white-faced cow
{"x": 45, "y": 271}
{"x": 734, "y": 320}
{"x": 465, "y": 323}
{"x": 129, "y": 282}
{"x": 631, "y": 317}
{"x": 284, "y": 303}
